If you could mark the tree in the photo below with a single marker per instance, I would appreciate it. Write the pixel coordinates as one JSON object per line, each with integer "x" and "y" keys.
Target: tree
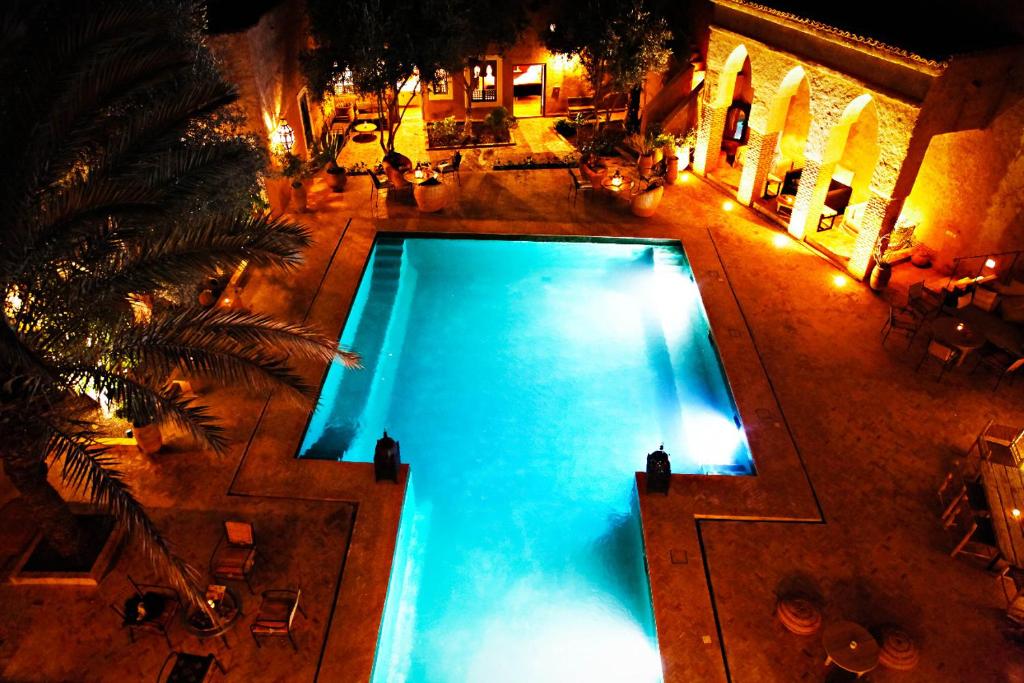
{"x": 618, "y": 43}
{"x": 123, "y": 181}
{"x": 374, "y": 39}
{"x": 461, "y": 30}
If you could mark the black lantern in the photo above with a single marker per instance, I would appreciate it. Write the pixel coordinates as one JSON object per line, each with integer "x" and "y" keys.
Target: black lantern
{"x": 386, "y": 459}
{"x": 659, "y": 471}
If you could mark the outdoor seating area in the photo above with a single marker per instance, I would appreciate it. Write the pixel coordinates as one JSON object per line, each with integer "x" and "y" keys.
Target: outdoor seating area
{"x": 957, "y": 333}
{"x": 980, "y": 507}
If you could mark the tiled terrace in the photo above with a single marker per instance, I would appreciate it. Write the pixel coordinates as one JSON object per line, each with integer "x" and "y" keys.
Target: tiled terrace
{"x": 868, "y": 443}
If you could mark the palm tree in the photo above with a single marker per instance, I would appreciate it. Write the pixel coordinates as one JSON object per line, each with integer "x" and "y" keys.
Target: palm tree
{"x": 124, "y": 177}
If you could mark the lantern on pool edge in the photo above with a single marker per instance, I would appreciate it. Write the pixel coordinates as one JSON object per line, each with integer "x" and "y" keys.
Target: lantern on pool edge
{"x": 283, "y": 138}
{"x": 659, "y": 471}
{"x": 386, "y": 459}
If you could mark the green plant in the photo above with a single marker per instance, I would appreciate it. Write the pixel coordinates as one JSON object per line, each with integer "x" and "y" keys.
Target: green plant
{"x": 644, "y": 144}
{"x": 111, "y": 174}
{"x": 662, "y": 139}
{"x": 687, "y": 139}
{"x": 447, "y": 130}
{"x": 499, "y": 120}
{"x": 565, "y": 127}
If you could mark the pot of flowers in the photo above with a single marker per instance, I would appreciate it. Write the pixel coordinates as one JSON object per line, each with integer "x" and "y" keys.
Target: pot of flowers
{"x": 882, "y": 272}
{"x": 684, "y": 147}
{"x": 664, "y": 147}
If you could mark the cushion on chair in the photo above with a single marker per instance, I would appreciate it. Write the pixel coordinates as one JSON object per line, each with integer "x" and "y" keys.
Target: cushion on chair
{"x": 274, "y": 610}
{"x": 233, "y": 561}
{"x": 190, "y": 668}
{"x": 239, "y": 533}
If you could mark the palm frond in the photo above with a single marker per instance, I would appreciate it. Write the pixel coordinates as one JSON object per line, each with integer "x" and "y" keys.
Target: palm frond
{"x": 88, "y": 467}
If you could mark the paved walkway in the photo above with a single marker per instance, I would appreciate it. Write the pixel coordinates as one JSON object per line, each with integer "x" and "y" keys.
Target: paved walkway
{"x": 873, "y": 436}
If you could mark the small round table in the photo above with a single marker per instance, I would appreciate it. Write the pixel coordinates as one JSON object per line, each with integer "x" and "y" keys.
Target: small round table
{"x": 625, "y": 186}
{"x": 364, "y": 131}
{"x": 958, "y": 334}
{"x": 850, "y": 647}
{"x": 410, "y": 176}
{"x": 228, "y": 610}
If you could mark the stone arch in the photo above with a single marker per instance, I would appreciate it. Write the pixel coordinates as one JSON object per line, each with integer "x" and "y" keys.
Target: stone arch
{"x": 781, "y": 146}
{"x": 734, "y": 80}
{"x": 849, "y": 157}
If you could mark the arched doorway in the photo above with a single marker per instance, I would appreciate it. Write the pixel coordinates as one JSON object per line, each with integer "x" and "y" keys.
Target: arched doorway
{"x": 789, "y": 121}
{"x": 851, "y": 155}
{"x": 734, "y": 98}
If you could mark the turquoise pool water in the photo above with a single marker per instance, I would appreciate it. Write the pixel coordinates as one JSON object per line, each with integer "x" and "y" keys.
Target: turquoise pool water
{"x": 526, "y": 382}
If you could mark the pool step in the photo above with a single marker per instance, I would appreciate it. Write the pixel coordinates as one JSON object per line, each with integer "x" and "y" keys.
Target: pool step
{"x": 353, "y": 389}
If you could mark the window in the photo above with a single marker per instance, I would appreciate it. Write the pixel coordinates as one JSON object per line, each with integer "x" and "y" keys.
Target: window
{"x": 483, "y": 80}
{"x": 440, "y": 86}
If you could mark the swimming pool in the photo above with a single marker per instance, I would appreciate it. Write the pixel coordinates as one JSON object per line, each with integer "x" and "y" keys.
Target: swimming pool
{"x": 526, "y": 381}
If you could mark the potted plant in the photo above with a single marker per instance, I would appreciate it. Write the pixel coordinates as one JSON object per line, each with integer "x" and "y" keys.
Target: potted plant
{"x": 664, "y": 146}
{"x": 684, "y": 146}
{"x": 327, "y": 154}
{"x": 645, "y": 162}
{"x": 891, "y": 242}
{"x": 291, "y": 170}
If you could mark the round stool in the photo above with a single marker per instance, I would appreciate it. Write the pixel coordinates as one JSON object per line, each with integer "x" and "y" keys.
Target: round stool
{"x": 898, "y": 651}
{"x": 799, "y": 615}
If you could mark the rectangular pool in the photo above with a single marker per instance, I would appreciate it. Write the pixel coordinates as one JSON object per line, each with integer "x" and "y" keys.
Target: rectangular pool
{"x": 526, "y": 381}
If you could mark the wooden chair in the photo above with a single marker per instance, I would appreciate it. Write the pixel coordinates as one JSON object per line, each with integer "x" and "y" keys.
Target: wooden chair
{"x": 152, "y": 609}
{"x": 1001, "y": 362}
{"x": 922, "y": 300}
{"x": 577, "y": 185}
{"x": 946, "y": 356}
{"x": 902, "y": 321}
{"x": 235, "y": 553}
{"x": 276, "y": 615}
{"x": 1012, "y": 580}
{"x": 972, "y": 535}
{"x": 956, "y": 491}
{"x": 452, "y": 166}
{"x": 189, "y": 668}
{"x": 377, "y": 184}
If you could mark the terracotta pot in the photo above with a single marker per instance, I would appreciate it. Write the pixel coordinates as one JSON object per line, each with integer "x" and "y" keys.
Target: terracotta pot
{"x": 299, "y": 197}
{"x": 644, "y": 164}
{"x": 880, "y": 276}
{"x": 671, "y": 170}
{"x": 430, "y": 198}
{"x": 645, "y": 204}
{"x": 336, "y": 176}
{"x": 683, "y": 152}
{"x": 148, "y": 437}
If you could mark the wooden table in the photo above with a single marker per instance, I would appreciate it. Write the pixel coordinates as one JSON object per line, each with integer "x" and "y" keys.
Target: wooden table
{"x": 228, "y": 609}
{"x": 849, "y": 646}
{"x": 1004, "y": 491}
{"x": 958, "y": 334}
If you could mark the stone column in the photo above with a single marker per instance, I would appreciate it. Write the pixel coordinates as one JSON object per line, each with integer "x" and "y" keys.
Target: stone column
{"x": 760, "y": 152}
{"x": 810, "y": 197}
{"x": 709, "y": 139}
{"x": 880, "y": 216}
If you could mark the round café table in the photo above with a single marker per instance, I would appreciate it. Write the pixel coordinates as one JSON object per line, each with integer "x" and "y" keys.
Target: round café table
{"x": 364, "y": 131}
{"x": 958, "y": 334}
{"x": 626, "y": 185}
{"x": 410, "y": 177}
{"x": 228, "y": 610}
{"x": 850, "y": 647}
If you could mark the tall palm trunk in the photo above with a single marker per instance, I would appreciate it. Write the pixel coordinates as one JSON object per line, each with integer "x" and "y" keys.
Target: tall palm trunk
{"x": 45, "y": 506}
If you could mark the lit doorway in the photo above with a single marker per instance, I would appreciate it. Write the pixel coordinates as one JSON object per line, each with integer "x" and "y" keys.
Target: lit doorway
{"x": 527, "y": 90}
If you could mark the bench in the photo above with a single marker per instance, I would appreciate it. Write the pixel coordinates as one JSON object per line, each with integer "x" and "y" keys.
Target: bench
{"x": 580, "y": 105}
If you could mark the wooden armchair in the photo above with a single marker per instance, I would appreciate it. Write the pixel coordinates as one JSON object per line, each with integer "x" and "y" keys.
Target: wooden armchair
{"x": 972, "y": 535}
{"x": 945, "y": 356}
{"x": 902, "y": 321}
{"x": 277, "y": 615}
{"x": 189, "y": 668}
{"x": 235, "y": 553}
{"x": 151, "y": 608}
{"x": 1001, "y": 362}
{"x": 577, "y": 185}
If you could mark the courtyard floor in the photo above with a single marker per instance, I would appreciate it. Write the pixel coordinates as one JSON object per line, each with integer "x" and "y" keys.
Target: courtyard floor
{"x": 867, "y": 442}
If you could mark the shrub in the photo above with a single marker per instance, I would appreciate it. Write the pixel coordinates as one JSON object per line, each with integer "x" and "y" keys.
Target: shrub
{"x": 499, "y": 120}
{"x": 565, "y": 128}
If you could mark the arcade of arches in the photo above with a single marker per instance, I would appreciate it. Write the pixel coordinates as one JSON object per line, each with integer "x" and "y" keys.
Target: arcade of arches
{"x": 822, "y": 153}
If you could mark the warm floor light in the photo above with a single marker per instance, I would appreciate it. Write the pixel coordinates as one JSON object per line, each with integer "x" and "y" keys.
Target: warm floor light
{"x": 839, "y": 280}
{"x": 1016, "y": 513}
{"x": 780, "y": 240}
{"x": 727, "y": 205}
{"x": 685, "y": 176}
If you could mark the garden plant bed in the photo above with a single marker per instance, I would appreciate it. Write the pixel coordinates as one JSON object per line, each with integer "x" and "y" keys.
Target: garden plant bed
{"x": 40, "y": 563}
{"x": 538, "y": 161}
{"x": 483, "y": 136}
